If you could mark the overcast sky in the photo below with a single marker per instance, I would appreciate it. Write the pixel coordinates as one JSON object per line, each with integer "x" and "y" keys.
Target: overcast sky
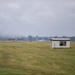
{"x": 37, "y": 17}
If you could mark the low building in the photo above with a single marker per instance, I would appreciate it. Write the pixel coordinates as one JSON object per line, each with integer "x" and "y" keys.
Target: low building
{"x": 60, "y": 42}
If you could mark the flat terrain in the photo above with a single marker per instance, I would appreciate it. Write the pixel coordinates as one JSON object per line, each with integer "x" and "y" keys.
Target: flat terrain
{"x": 36, "y": 58}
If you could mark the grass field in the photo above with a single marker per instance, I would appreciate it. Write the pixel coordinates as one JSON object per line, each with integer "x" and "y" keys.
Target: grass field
{"x": 36, "y": 58}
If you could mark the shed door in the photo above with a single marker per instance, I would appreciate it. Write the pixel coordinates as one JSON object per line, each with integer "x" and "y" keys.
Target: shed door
{"x": 53, "y": 45}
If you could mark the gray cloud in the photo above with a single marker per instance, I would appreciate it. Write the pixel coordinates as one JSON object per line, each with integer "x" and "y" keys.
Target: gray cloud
{"x": 40, "y": 17}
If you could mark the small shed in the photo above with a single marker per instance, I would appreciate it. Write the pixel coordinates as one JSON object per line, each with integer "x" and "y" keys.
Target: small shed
{"x": 60, "y": 42}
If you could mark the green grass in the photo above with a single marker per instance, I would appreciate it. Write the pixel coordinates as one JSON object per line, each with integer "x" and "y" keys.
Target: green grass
{"x": 36, "y": 58}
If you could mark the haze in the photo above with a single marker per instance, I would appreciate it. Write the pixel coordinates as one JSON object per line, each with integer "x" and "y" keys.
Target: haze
{"x": 37, "y": 17}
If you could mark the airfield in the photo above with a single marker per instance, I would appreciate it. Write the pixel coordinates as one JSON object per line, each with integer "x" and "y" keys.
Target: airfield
{"x": 36, "y": 58}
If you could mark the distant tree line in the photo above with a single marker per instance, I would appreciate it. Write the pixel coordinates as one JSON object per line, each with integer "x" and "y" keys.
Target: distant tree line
{"x": 30, "y": 38}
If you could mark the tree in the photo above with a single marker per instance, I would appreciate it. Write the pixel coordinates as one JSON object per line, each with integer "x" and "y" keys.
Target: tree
{"x": 30, "y": 38}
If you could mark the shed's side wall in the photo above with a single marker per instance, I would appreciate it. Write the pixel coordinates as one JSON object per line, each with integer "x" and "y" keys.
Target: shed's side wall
{"x": 56, "y": 44}
{"x": 68, "y": 44}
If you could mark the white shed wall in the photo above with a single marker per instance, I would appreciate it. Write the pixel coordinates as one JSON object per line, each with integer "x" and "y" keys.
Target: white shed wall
{"x": 68, "y": 44}
{"x": 56, "y": 44}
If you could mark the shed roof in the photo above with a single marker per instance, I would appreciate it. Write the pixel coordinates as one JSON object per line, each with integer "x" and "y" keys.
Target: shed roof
{"x": 60, "y": 39}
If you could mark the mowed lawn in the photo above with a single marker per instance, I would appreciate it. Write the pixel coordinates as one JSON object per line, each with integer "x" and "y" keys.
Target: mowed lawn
{"x": 36, "y": 58}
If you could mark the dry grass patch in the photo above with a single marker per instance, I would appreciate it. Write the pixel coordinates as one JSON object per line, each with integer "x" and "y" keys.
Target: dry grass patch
{"x": 36, "y": 58}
